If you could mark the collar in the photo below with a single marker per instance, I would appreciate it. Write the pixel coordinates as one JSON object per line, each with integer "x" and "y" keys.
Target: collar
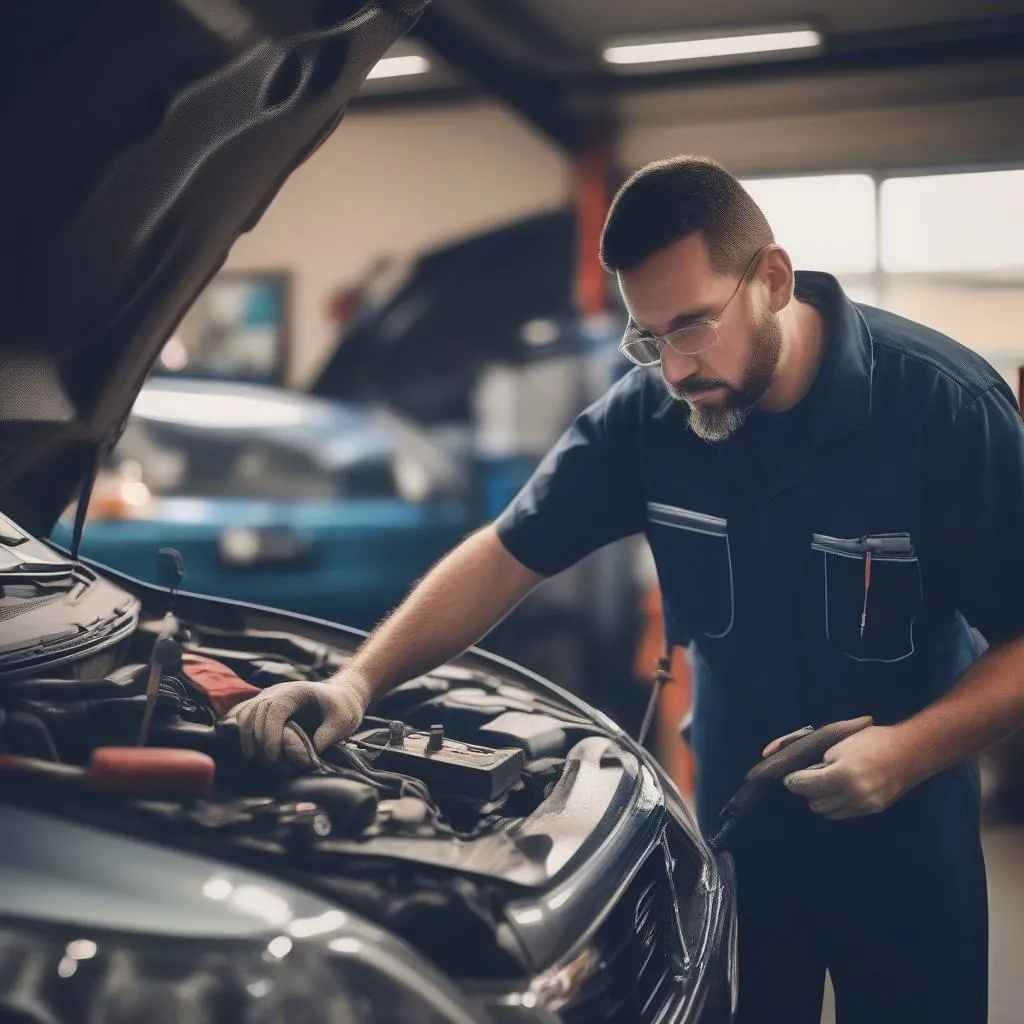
{"x": 839, "y": 400}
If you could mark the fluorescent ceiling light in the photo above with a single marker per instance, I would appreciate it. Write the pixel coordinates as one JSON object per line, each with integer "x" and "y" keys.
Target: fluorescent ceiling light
{"x": 710, "y": 48}
{"x": 394, "y": 67}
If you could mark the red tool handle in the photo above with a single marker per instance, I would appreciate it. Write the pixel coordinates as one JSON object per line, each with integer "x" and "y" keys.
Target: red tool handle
{"x": 151, "y": 771}
{"x": 134, "y": 771}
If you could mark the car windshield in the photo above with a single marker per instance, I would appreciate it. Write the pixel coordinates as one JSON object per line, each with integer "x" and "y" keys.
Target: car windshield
{"x": 175, "y": 460}
{"x": 179, "y": 448}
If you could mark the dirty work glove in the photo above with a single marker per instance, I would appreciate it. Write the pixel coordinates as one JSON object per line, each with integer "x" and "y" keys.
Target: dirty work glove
{"x": 863, "y": 774}
{"x": 784, "y": 741}
{"x": 328, "y": 712}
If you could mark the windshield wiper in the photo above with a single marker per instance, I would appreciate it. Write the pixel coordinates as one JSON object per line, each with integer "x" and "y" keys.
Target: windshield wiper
{"x": 38, "y": 574}
{"x": 69, "y": 639}
{"x": 29, "y": 590}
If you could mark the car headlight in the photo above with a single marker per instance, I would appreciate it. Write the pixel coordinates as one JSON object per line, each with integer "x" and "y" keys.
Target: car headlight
{"x": 412, "y": 480}
{"x": 245, "y": 547}
{"x": 99, "y": 928}
{"x": 55, "y": 973}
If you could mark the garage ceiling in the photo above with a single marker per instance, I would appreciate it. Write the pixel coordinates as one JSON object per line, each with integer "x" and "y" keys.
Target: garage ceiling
{"x": 544, "y": 57}
{"x": 589, "y": 22}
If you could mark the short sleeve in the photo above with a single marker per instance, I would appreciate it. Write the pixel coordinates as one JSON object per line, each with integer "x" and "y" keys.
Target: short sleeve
{"x": 976, "y": 497}
{"x": 585, "y": 493}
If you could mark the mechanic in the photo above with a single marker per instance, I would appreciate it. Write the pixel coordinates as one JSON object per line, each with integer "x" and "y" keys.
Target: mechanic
{"x": 834, "y": 496}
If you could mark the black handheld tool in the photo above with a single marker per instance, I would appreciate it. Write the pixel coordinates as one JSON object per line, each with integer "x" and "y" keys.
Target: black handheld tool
{"x": 166, "y": 652}
{"x": 170, "y": 569}
{"x": 803, "y": 750}
{"x": 165, "y": 657}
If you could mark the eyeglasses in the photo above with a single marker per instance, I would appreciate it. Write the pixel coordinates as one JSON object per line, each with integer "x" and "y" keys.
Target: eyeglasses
{"x": 644, "y": 349}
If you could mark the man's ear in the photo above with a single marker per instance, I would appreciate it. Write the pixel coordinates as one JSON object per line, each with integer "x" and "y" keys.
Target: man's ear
{"x": 777, "y": 270}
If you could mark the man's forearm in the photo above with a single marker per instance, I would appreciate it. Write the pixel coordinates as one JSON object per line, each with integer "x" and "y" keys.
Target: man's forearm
{"x": 460, "y": 600}
{"x": 984, "y": 707}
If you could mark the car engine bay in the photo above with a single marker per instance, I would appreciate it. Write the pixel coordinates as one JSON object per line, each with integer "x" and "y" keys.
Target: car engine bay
{"x": 460, "y": 793}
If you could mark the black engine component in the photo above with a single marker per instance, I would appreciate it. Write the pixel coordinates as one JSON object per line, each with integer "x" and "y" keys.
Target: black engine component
{"x": 461, "y": 771}
{"x": 26, "y": 735}
{"x": 242, "y": 647}
{"x": 493, "y": 717}
{"x": 402, "y": 699}
{"x": 537, "y": 735}
{"x": 351, "y": 805}
{"x": 421, "y": 905}
{"x": 462, "y": 710}
{"x": 125, "y": 681}
{"x": 263, "y": 672}
{"x": 172, "y": 731}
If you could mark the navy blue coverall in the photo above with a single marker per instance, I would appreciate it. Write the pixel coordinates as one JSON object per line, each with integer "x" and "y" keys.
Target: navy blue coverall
{"x": 759, "y": 543}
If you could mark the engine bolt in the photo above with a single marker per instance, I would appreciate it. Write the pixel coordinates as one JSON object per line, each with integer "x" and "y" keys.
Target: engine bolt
{"x": 436, "y": 740}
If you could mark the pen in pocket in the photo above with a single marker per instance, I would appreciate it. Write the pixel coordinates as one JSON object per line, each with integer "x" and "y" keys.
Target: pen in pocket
{"x": 884, "y": 544}
{"x": 867, "y": 587}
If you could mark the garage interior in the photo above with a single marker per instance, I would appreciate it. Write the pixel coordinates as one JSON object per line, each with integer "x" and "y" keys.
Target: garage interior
{"x": 518, "y": 114}
{"x": 434, "y": 266}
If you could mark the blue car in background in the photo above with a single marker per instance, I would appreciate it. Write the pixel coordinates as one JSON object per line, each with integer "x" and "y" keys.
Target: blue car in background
{"x": 277, "y": 498}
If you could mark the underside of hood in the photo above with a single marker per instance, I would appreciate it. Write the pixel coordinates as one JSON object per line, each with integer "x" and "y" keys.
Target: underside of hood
{"x": 137, "y": 141}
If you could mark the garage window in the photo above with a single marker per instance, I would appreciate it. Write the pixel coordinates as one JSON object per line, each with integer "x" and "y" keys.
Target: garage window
{"x": 943, "y": 249}
{"x": 825, "y": 222}
{"x": 953, "y": 223}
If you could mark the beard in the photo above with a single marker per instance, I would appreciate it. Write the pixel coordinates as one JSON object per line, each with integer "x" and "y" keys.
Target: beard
{"x": 717, "y": 422}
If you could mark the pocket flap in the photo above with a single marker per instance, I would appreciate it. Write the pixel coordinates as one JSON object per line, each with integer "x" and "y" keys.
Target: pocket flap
{"x": 686, "y": 519}
{"x": 887, "y": 546}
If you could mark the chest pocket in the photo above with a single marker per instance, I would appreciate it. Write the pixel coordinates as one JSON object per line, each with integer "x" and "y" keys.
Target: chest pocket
{"x": 695, "y": 566}
{"x": 870, "y": 604}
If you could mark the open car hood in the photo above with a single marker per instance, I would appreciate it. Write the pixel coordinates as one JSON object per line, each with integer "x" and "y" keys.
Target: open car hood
{"x": 137, "y": 141}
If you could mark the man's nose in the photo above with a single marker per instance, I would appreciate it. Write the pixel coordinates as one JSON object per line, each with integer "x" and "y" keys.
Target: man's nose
{"x": 676, "y": 368}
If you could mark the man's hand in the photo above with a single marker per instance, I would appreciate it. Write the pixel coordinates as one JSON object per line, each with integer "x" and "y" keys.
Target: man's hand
{"x": 333, "y": 709}
{"x": 863, "y": 774}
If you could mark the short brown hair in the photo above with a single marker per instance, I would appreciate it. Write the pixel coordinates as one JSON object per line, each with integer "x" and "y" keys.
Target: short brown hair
{"x": 667, "y": 200}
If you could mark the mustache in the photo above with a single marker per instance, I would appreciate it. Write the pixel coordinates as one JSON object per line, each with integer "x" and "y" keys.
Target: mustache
{"x": 690, "y": 386}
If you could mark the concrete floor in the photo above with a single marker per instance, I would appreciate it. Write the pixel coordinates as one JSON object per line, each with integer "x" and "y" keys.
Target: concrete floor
{"x": 1004, "y": 857}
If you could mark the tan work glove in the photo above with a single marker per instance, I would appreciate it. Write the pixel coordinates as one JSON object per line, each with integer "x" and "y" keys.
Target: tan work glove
{"x": 333, "y": 709}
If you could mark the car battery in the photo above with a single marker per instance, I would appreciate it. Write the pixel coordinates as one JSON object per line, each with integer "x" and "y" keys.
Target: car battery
{"x": 464, "y": 771}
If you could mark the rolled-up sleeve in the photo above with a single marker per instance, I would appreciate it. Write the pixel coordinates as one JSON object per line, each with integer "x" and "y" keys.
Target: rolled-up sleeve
{"x": 977, "y": 502}
{"x": 585, "y": 493}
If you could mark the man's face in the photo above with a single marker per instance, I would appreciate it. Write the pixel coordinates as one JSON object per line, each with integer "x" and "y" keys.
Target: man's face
{"x": 723, "y": 384}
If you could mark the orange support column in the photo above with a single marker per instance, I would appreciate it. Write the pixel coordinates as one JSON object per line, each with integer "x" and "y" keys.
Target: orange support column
{"x": 593, "y": 185}
{"x": 593, "y": 194}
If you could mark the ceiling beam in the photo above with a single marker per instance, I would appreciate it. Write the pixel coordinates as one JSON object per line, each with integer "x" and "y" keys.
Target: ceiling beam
{"x": 515, "y": 34}
{"x": 456, "y": 31}
{"x": 402, "y": 99}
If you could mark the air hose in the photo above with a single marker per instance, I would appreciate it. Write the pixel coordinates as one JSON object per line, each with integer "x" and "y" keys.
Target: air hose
{"x": 804, "y": 750}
